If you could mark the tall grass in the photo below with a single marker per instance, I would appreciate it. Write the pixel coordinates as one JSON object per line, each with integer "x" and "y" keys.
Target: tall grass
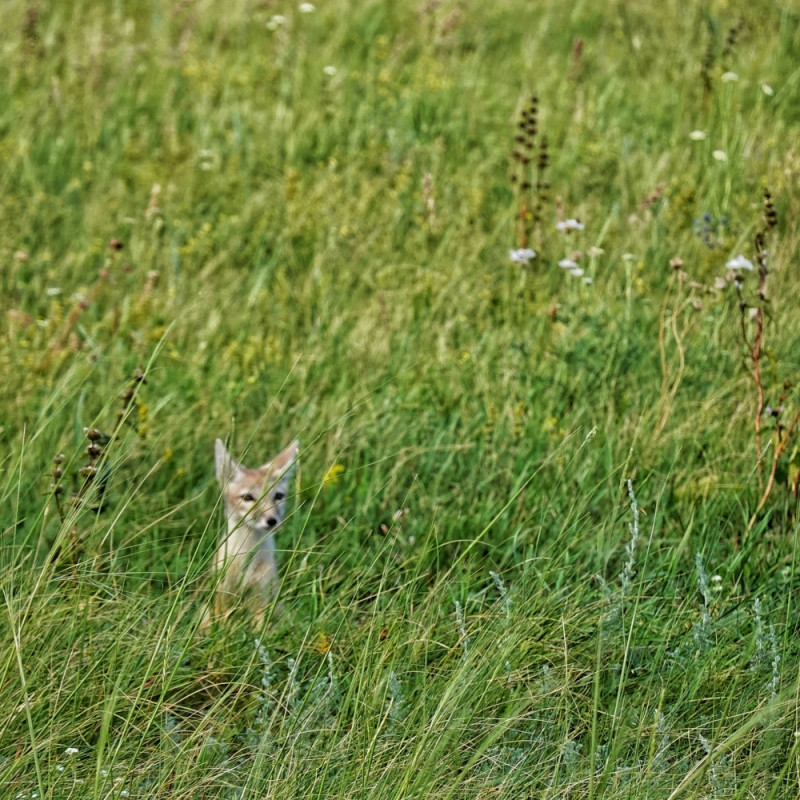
{"x": 531, "y": 552}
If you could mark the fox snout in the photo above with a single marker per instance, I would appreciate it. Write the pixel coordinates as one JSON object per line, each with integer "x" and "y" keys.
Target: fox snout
{"x": 269, "y": 519}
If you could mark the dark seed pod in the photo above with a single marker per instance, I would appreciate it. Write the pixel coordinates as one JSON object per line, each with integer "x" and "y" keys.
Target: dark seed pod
{"x": 95, "y": 435}
{"x": 770, "y": 217}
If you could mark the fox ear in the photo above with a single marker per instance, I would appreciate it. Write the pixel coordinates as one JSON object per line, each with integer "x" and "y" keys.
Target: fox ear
{"x": 226, "y": 467}
{"x": 284, "y": 462}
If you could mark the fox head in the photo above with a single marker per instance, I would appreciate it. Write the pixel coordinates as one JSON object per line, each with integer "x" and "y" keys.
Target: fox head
{"x": 255, "y": 498}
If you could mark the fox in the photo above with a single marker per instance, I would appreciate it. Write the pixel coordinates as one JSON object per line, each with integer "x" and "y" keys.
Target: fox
{"x": 254, "y": 502}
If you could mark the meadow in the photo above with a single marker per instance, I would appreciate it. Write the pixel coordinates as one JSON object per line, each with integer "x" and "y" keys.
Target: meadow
{"x": 521, "y": 277}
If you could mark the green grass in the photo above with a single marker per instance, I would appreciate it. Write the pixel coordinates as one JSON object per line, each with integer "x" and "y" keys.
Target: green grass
{"x": 476, "y": 606}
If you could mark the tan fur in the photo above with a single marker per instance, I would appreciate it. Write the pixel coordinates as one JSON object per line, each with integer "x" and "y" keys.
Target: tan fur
{"x": 255, "y": 505}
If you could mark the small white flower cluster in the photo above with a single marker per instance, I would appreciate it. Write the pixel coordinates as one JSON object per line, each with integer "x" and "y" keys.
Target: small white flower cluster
{"x": 740, "y": 262}
{"x": 206, "y": 159}
{"x": 522, "y": 256}
{"x": 279, "y": 20}
{"x": 567, "y": 225}
{"x": 736, "y": 268}
{"x": 571, "y": 265}
{"x": 699, "y": 136}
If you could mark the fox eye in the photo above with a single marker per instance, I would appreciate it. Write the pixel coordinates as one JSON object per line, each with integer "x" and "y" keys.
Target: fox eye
{"x": 248, "y": 498}
{"x": 278, "y": 496}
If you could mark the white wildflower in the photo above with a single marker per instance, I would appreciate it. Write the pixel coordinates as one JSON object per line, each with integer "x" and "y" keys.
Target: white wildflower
{"x": 729, "y": 77}
{"x": 720, "y": 155}
{"x": 206, "y": 160}
{"x": 52, "y": 291}
{"x": 720, "y": 283}
{"x": 567, "y": 225}
{"x": 740, "y": 262}
{"x": 697, "y": 136}
{"x": 330, "y": 70}
{"x": 577, "y": 272}
{"x": 275, "y": 22}
{"x": 567, "y": 263}
{"x": 587, "y": 279}
{"x": 70, "y": 751}
{"x": 521, "y": 256}
{"x": 767, "y": 89}
{"x": 307, "y": 8}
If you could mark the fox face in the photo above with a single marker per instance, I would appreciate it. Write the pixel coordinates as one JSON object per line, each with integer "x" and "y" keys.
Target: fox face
{"x": 255, "y": 505}
{"x": 255, "y": 498}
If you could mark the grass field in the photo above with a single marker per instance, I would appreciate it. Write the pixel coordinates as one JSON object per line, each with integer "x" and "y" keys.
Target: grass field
{"x": 542, "y": 541}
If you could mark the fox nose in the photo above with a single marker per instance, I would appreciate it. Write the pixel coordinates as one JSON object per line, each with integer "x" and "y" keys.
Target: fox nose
{"x": 272, "y": 522}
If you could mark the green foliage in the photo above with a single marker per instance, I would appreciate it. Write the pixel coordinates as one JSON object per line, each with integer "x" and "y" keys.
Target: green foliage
{"x": 298, "y": 224}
